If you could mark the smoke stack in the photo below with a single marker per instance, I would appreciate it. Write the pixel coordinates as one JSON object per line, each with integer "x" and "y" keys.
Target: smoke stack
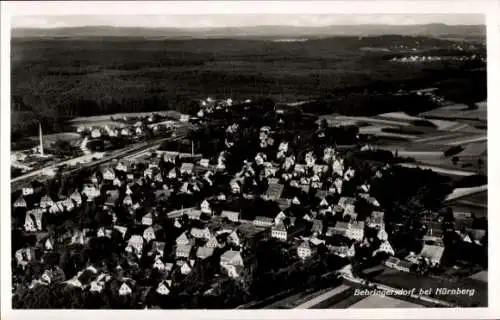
{"x": 192, "y": 148}
{"x": 41, "y": 137}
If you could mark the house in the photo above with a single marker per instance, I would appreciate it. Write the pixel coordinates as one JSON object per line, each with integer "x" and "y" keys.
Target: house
{"x": 382, "y": 235}
{"x": 96, "y": 286}
{"x": 56, "y": 208}
{"x": 135, "y": 245}
{"x": 49, "y": 244}
{"x": 232, "y": 216}
{"x": 124, "y": 289}
{"x": 341, "y": 228}
{"x": 304, "y": 250}
{"x": 317, "y": 226}
{"x": 25, "y": 255}
{"x": 212, "y": 242}
{"x": 234, "y": 238}
{"x": 78, "y": 237}
{"x": 33, "y": 220}
{"x": 391, "y": 262}
{"x": 158, "y": 264}
{"x": 91, "y": 192}
{"x": 398, "y": 264}
{"x": 433, "y": 235}
{"x": 112, "y": 197}
{"x": 28, "y": 191}
{"x": 157, "y": 249}
{"x": 232, "y": 262}
{"x": 46, "y": 202}
{"x": 117, "y": 182}
{"x": 147, "y": 219}
{"x": 187, "y": 266}
{"x": 183, "y": 251}
{"x": 148, "y": 173}
{"x": 320, "y": 168}
{"x": 356, "y": 230}
{"x": 204, "y": 252}
{"x": 260, "y": 221}
{"x": 122, "y": 230}
{"x": 350, "y": 211}
{"x": 108, "y": 174}
{"x": 279, "y": 218}
{"x": 68, "y": 204}
{"x": 122, "y": 166}
{"x": 343, "y": 251}
{"x": 158, "y": 177}
{"x": 279, "y": 232}
{"x": 20, "y": 202}
{"x": 182, "y": 239}
{"x": 376, "y": 220}
{"x": 164, "y": 287}
{"x": 274, "y": 191}
{"x": 386, "y": 247}
{"x": 200, "y": 233}
{"x": 95, "y": 133}
{"x": 151, "y": 232}
{"x": 432, "y": 253}
{"x": 324, "y": 203}
{"x": 204, "y": 163}
{"x": 193, "y": 214}
{"x": 187, "y": 168}
{"x": 104, "y": 232}
{"x": 172, "y": 174}
{"x": 127, "y": 201}
{"x": 344, "y": 201}
{"x": 205, "y": 207}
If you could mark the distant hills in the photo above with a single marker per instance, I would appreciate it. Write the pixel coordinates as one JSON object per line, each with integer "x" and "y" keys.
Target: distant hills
{"x": 430, "y": 30}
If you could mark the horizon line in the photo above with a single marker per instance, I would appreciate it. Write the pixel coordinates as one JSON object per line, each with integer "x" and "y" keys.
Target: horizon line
{"x": 248, "y": 26}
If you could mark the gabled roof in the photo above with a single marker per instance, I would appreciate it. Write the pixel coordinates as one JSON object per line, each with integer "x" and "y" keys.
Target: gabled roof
{"x": 279, "y": 227}
{"x": 230, "y": 255}
{"x": 341, "y": 225}
{"x": 204, "y": 252}
{"x": 136, "y": 239}
{"x": 346, "y": 200}
{"x": 184, "y": 248}
{"x": 358, "y": 225}
{"x": 187, "y": 166}
{"x": 183, "y": 237}
{"x": 264, "y": 219}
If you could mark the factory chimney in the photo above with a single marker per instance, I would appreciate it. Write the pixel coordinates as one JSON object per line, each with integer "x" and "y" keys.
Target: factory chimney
{"x": 41, "y": 137}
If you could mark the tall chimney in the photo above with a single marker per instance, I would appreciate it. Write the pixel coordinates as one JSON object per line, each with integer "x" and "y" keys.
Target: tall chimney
{"x": 192, "y": 148}
{"x": 41, "y": 137}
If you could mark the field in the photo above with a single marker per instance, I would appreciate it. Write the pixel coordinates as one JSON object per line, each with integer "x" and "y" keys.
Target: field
{"x": 459, "y": 111}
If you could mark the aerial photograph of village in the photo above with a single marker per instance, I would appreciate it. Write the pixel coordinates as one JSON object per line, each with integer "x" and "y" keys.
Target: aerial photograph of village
{"x": 243, "y": 162}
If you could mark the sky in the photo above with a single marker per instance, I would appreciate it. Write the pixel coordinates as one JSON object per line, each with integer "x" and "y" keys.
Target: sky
{"x": 239, "y": 20}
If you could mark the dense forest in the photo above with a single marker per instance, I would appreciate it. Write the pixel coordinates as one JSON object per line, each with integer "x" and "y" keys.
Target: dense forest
{"x": 56, "y": 79}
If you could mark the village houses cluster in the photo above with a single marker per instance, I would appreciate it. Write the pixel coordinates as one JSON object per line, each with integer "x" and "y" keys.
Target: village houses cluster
{"x": 120, "y": 185}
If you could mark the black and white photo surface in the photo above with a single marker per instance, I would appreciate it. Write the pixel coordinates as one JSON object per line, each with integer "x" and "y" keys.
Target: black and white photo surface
{"x": 248, "y": 161}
